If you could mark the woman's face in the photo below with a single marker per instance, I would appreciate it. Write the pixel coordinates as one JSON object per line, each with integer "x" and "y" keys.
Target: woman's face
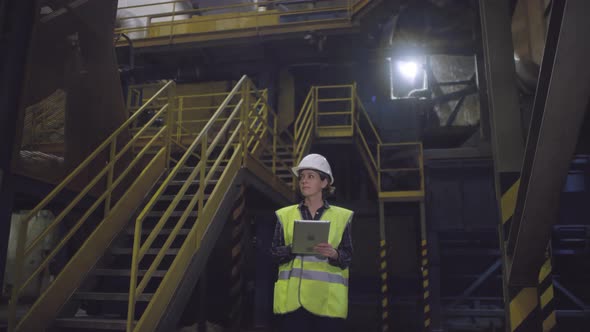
{"x": 310, "y": 183}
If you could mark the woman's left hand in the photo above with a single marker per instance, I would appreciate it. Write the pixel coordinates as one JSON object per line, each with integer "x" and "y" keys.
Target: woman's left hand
{"x": 326, "y": 250}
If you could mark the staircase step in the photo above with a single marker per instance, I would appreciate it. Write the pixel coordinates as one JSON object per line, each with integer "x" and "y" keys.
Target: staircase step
{"x": 190, "y": 169}
{"x": 170, "y": 198}
{"x": 277, "y": 167}
{"x": 92, "y": 323}
{"x": 97, "y": 296}
{"x": 181, "y": 182}
{"x": 163, "y": 231}
{"x": 283, "y": 153}
{"x": 154, "y": 251}
{"x": 126, "y": 273}
{"x": 173, "y": 214}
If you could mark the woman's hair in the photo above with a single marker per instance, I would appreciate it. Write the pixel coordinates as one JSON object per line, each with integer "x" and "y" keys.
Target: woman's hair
{"x": 329, "y": 190}
{"x": 326, "y": 192}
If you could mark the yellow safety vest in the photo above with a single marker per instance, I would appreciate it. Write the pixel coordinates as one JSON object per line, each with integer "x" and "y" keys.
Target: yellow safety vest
{"x": 310, "y": 281}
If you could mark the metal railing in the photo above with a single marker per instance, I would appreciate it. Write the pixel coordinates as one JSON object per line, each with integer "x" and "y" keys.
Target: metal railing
{"x": 112, "y": 162}
{"x": 401, "y": 170}
{"x": 169, "y": 19}
{"x": 368, "y": 140}
{"x": 248, "y": 128}
{"x": 335, "y": 110}
{"x": 395, "y": 169}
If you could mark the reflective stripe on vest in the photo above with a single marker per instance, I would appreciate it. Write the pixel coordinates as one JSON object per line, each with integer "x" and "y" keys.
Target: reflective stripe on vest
{"x": 313, "y": 275}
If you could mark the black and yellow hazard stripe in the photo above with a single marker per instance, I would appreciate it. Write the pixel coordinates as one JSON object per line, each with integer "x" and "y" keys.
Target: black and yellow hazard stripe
{"x": 384, "y": 287}
{"x": 546, "y": 296}
{"x": 524, "y": 309}
{"x": 523, "y": 302}
{"x": 425, "y": 284}
{"x": 237, "y": 257}
{"x": 509, "y": 184}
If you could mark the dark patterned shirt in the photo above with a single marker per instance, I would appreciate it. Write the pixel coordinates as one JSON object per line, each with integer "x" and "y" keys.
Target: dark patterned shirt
{"x": 282, "y": 253}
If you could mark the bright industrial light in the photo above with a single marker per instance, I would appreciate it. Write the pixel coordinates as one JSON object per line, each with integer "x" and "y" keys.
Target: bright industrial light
{"x": 409, "y": 69}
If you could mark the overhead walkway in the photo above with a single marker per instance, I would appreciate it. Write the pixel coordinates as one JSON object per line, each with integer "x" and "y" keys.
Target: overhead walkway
{"x": 157, "y": 192}
{"x": 171, "y": 22}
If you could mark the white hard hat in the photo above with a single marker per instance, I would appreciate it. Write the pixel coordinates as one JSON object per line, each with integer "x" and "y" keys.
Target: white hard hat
{"x": 316, "y": 162}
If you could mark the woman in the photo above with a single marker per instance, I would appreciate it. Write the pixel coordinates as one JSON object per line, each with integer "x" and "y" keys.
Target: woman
{"x": 311, "y": 293}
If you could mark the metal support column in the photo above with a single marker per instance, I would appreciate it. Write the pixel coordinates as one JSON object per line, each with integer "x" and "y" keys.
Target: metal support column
{"x": 436, "y": 315}
{"x": 507, "y": 145}
{"x": 18, "y": 18}
{"x": 558, "y": 113}
{"x": 383, "y": 270}
{"x": 238, "y": 221}
{"x": 424, "y": 267}
{"x": 546, "y": 295}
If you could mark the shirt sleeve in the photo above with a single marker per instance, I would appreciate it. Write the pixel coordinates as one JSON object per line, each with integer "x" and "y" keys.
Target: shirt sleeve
{"x": 344, "y": 249}
{"x": 280, "y": 253}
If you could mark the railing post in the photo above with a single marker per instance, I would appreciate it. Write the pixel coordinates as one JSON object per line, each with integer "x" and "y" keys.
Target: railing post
{"x": 203, "y": 170}
{"x": 421, "y": 165}
{"x": 315, "y": 110}
{"x": 170, "y": 121}
{"x": 172, "y": 22}
{"x": 179, "y": 120}
{"x": 353, "y": 112}
{"x": 133, "y": 275}
{"x": 274, "y": 145}
{"x": 244, "y": 117}
{"x": 378, "y": 168}
{"x": 111, "y": 166}
{"x": 265, "y": 105}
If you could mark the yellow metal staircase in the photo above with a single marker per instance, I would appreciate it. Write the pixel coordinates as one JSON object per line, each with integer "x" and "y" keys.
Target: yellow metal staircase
{"x": 173, "y": 174}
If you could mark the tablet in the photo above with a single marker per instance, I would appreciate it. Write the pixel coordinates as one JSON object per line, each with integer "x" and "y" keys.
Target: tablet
{"x": 307, "y": 234}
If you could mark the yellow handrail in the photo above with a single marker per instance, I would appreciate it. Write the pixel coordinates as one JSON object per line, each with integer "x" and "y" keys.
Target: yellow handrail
{"x": 371, "y": 153}
{"x": 110, "y": 145}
